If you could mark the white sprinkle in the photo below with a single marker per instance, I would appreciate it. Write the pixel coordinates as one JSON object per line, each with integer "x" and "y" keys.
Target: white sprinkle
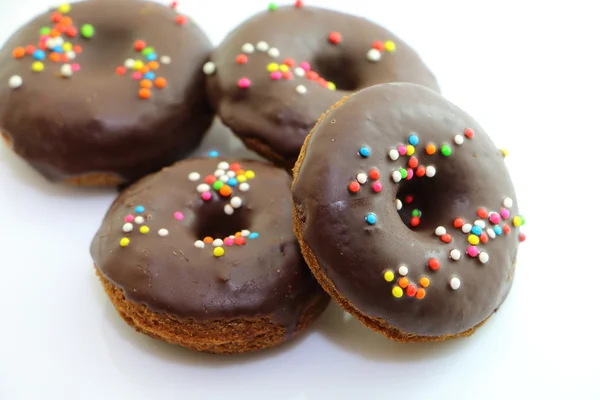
{"x": 508, "y": 203}
{"x": 484, "y": 257}
{"x": 163, "y": 232}
{"x": 301, "y": 89}
{"x": 128, "y": 227}
{"x": 491, "y": 233}
{"x": 273, "y": 52}
{"x": 262, "y": 46}
{"x": 209, "y": 68}
{"x": 217, "y": 243}
{"x": 430, "y": 171}
{"x": 51, "y": 43}
{"x": 231, "y": 237}
{"x": 218, "y": 172}
{"x": 224, "y": 165}
{"x": 394, "y": 154}
{"x": 203, "y": 187}
{"x": 403, "y": 270}
{"x": 299, "y": 71}
{"x": 228, "y": 209}
{"x": 459, "y": 139}
{"x": 398, "y": 204}
{"x": 58, "y": 41}
{"x": 396, "y": 176}
{"x": 479, "y": 223}
{"x": 129, "y": 63}
{"x": 71, "y": 55}
{"x": 199, "y": 244}
{"x": 194, "y": 176}
{"x": 454, "y": 283}
{"x": 15, "y": 82}
{"x": 236, "y": 202}
{"x": 455, "y": 254}
{"x": 245, "y": 233}
{"x": 139, "y": 219}
{"x": 224, "y": 177}
{"x": 231, "y": 174}
{"x": 373, "y": 55}
{"x": 361, "y": 178}
{"x": 466, "y": 228}
{"x": 440, "y": 230}
{"x": 66, "y": 70}
{"x": 244, "y": 187}
{"x": 165, "y": 60}
{"x": 248, "y": 48}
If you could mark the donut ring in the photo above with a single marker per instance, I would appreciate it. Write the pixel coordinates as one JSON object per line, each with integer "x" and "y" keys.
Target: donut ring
{"x": 202, "y": 254}
{"x": 100, "y": 92}
{"x": 274, "y": 75}
{"x": 413, "y": 224}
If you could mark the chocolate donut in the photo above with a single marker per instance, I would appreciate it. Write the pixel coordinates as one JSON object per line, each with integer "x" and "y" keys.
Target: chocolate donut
{"x": 202, "y": 254}
{"x": 104, "y": 92}
{"x": 274, "y": 75}
{"x": 406, "y": 214}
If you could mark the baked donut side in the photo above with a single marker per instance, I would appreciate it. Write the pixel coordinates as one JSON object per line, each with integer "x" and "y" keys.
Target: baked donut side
{"x": 404, "y": 265}
{"x": 104, "y": 92}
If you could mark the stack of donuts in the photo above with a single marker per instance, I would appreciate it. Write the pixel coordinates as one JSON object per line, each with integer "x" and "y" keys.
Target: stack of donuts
{"x": 374, "y": 190}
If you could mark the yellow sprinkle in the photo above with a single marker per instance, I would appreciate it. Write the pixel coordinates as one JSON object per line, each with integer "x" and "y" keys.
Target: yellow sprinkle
{"x": 37, "y": 66}
{"x": 218, "y": 252}
{"x": 241, "y": 178}
{"x": 473, "y": 239}
{"x": 397, "y": 291}
{"x": 388, "y": 275}
{"x": 272, "y": 67}
{"x": 331, "y": 86}
{"x": 424, "y": 281}
{"x": 144, "y": 229}
{"x": 124, "y": 242}
{"x": 64, "y": 8}
{"x": 284, "y": 68}
{"x": 410, "y": 150}
{"x": 389, "y": 46}
{"x": 68, "y": 46}
{"x": 249, "y": 174}
{"x": 138, "y": 65}
{"x": 517, "y": 221}
{"x": 504, "y": 152}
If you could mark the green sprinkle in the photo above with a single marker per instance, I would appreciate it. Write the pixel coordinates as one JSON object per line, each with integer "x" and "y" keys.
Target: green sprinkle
{"x": 87, "y": 31}
{"x": 45, "y": 31}
{"x": 416, "y": 212}
{"x": 403, "y": 173}
{"x": 272, "y": 6}
{"x": 147, "y": 50}
{"x": 218, "y": 185}
{"x": 446, "y": 150}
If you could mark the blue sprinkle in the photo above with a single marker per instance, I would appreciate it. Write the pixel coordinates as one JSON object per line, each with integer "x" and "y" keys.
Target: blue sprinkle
{"x": 150, "y": 75}
{"x": 58, "y": 49}
{"x": 476, "y": 230}
{"x": 371, "y": 218}
{"x": 413, "y": 139}
{"x": 253, "y": 235}
{"x": 139, "y": 209}
{"x": 364, "y": 151}
{"x": 151, "y": 57}
{"x": 232, "y": 182}
{"x": 39, "y": 55}
{"x": 213, "y": 154}
{"x": 498, "y": 230}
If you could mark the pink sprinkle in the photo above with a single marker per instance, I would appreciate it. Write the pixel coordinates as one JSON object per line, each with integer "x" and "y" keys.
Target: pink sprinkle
{"x": 409, "y": 174}
{"x": 402, "y": 150}
{"x": 276, "y": 75}
{"x": 494, "y": 218}
{"x": 244, "y": 83}
{"x": 129, "y": 218}
{"x": 505, "y": 213}
{"x": 228, "y": 242}
{"x": 377, "y": 186}
{"x": 178, "y": 215}
{"x": 44, "y": 38}
{"x": 137, "y": 76}
{"x": 305, "y": 66}
{"x": 75, "y": 67}
{"x": 473, "y": 251}
{"x": 206, "y": 196}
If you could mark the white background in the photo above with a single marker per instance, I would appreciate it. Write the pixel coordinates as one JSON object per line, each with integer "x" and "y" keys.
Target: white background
{"x": 528, "y": 71}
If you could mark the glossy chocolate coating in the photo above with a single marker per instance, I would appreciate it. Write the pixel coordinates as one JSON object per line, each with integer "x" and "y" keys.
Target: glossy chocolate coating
{"x": 272, "y": 111}
{"x": 354, "y": 255}
{"x": 95, "y": 121}
{"x": 265, "y": 277}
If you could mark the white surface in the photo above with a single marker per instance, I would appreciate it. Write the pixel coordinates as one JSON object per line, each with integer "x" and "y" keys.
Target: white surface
{"x": 528, "y": 71}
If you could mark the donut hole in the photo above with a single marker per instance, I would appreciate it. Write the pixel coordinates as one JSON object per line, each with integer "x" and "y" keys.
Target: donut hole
{"x": 340, "y": 70}
{"x": 212, "y": 221}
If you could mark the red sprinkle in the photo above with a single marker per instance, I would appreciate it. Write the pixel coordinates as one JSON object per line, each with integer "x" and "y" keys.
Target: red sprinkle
{"x": 408, "y": 199}
{"x": 181, "y": 19}
{"x": 506, "y": 229}
{"x": 413, "y": 162}
{"x": 411, "y": 290}
{"x": 378, "y": 45}
{"x": 29, "y": 50}
{"x": 458, "y": 223}
{"x": 420, "y": 171}
{"x": 299, "y": 4}
{"x": 312, "y": 75}
{"x": 482, "y": 212}
{"x": 287, "y": 75}
{"x": 335, "y": 37}
{"x": 210, "y": 179}
{"x": 139, "y": 45}
{"x": 61, "y": 28}
{"x": 377, "y": 186}
{"x": 174, "y": 5}
{"x": 240, "y": 241}
{"x": 71, "y": 31}
{"x": 483, "y": 237}
{"x": 121, "y": 70}
{"x": 241, "y": 59}
{"x": 56, "y": 17}
{"x": 469, "y": 133}
{"x": 354, "y": 187}
{"x": 77, "y": 49}
{"x": 234, "y": 167}
{"x": 374, "y": 174}
{"x": 434, "y": 264}
{"x": 415, "y": 221}
{"x": 446, "y": 238}
{"x": 522, "y": 237}
{"x": 289, "y": 62}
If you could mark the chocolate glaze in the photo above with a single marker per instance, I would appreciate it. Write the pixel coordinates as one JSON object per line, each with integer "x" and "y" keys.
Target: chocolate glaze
{"x": 272, "y": 111}
{"x": 95, "y": 122}
{"x": 265, "y": 277}
{"x": 354, "y": 255}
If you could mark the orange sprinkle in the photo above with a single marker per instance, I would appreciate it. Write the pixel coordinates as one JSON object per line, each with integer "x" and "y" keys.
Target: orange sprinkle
{"x": 145, "y": 69}
{"x": 153, "y": 65}
{"x": 225, "y": 190}
{"x": 208, "y": 239}
{"x": 403, "y": 283}
{"x": 77, "y": 49}
{"x": 67, "y": 21}
{"x": 420, "y": 293}
{"x": 160, "y": 83}
{"x": 146, "y": 83}
{"x": 145, "y": 93}
{"x": 54, "y": 33}
{"x": 54, "y": 57}
{"x": 424, "y": 281}
{"x": 238, "y": 234}
{"x": 18, "y": 52}
{"x": 61, "y": 28}
{"x": 430, "y": 149}
{"x": 240, "y": 172}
